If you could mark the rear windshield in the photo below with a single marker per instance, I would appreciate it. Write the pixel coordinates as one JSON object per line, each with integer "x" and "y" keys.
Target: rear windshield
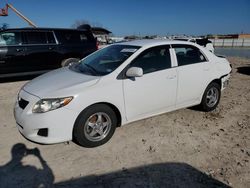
{"x": 105, "y": 60}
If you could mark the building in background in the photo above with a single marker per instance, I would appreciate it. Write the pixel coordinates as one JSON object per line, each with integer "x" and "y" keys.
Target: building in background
{"x": 230, "y": 40}
{"x": 246, "y": 36}
{"x": 229, "y": 36}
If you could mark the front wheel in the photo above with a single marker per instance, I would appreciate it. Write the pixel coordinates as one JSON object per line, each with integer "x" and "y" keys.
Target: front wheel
{"x": 67, "y": 62}
{"x": 95, "y": 126}
{"x": 211, "y": 97}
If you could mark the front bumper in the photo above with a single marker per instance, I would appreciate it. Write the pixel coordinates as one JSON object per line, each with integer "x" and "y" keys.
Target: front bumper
{"x": 59, "y": 123}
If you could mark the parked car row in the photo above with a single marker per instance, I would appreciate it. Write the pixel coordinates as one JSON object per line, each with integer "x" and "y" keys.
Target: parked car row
{"x": 37, "y": 50}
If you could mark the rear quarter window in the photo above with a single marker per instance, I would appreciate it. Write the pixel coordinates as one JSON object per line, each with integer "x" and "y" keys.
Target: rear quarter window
{"x": 187, "y": 54}
{"x": 71, "y": 37}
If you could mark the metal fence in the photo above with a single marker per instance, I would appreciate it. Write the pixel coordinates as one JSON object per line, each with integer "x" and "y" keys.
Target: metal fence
{"x": 244, "y": 42}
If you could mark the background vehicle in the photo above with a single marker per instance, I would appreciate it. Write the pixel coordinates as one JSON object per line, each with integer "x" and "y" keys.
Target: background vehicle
{"x": 117, "y": 85}
{"x": 201, "y": 41}
{"x": 36, "y": 50}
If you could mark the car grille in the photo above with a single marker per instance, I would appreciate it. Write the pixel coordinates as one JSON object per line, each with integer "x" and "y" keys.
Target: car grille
{"x": 22, "y": 103}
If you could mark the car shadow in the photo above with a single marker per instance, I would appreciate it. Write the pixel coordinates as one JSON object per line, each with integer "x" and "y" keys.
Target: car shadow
{"x": 196, "y": 108}
{"x": 15, "y": 173}
{"x": 18, "y": 78}
{"x": 244, "y": 70}
{"x": 155, "y": 175}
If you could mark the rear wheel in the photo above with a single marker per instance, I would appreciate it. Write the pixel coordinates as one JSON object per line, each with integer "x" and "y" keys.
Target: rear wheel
{"x": 67, "y": 62}
{"x": 95, "y": 126}
{"x": 211, "y": 97}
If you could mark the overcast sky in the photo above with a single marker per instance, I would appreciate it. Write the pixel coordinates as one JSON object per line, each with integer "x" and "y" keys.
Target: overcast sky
{"x": 144, "y": 17}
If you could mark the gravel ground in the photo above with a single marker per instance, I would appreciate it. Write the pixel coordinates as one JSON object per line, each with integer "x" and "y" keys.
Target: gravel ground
{"x": 185, "y": 148}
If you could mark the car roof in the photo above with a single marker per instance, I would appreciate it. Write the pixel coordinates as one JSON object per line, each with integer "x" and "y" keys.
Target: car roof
{"x": 154, "y": 42}
{"x": 42, "y": 29}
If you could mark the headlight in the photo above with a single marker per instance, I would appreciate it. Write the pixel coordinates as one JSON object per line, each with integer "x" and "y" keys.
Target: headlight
{"x": 45, "y": 105}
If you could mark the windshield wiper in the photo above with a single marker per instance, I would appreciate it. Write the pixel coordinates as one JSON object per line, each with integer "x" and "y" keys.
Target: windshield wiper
{"x": 91, "y": 68}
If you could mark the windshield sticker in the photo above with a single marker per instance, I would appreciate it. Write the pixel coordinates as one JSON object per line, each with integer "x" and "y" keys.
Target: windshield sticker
{"x": 131, "y": 50}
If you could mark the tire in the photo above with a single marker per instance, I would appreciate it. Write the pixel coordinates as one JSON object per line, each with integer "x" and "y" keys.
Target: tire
{"x": 211, "y": 97}
{"x": 91, "y": 123}
{"x": 67, "y": 62}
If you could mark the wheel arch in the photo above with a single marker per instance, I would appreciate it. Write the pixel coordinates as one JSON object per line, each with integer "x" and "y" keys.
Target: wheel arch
{"x": 217, "y": 80}
{"x": 116, "y": 110}
{"x": 112, "y": 106}
{"x": 201, "y": 104}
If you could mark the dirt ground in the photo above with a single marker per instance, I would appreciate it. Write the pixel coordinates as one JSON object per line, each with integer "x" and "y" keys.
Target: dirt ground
{"x": 185, "y": 148}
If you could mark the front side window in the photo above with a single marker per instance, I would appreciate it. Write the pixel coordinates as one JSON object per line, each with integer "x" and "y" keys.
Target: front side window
{"x": 153, "y": 59}
{"x": 10, "y": 38}
{"x": 105, "y": 60}
{"x": 187, "y": 54}
{"x": 35, "y": 37}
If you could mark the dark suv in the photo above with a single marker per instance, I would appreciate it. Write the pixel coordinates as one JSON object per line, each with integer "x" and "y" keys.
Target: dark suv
{"x": 37, "y": 50}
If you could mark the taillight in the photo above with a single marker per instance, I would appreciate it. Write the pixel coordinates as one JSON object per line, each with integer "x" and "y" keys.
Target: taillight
{"x": 96, "y": 44}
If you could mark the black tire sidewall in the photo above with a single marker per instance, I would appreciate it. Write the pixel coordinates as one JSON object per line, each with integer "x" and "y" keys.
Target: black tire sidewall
{"x": 204, "y": 105}
{"x": 78, "y": 131}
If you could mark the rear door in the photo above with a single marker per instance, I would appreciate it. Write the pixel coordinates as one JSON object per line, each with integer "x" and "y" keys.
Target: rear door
{"x": 193, "y": 69}
{"x": 41, "y": 50}
{"x": 12, "y": 59}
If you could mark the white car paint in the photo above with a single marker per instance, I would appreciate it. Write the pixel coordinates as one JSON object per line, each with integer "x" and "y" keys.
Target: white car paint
{"x": 165, "y": 93}
{"x": 143, "y": 97}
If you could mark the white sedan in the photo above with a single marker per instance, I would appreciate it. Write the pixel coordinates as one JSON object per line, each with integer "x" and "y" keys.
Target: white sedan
{"x": 117, "y": 85}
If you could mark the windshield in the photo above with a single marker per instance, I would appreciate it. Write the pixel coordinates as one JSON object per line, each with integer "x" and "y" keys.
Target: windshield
{"x": 105, "y": 60}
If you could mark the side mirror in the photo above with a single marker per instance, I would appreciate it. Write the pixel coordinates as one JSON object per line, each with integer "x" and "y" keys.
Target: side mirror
{"x": 134, "y": 72}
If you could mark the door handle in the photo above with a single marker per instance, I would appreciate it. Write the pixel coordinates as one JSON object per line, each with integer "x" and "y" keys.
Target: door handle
{"x": 19, "y": 50}
{"x": 51, "y": 48}
{"x": 171, "y": 77}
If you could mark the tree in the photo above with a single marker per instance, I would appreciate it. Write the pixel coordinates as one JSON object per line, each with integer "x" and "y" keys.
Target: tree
{"x": 4, "y": 26}
{"x": 85, "y": 22}
{"x": 79, "y": 23}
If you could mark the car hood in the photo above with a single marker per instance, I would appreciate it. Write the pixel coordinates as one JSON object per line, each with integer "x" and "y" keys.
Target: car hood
{"x": 59, "y": 83}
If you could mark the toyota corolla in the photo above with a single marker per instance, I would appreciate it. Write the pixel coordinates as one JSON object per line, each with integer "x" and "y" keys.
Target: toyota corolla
{"x": 116, "y": 85}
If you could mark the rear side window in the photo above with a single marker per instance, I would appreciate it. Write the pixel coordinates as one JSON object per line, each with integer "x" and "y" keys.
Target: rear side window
{"x": 153, "y": 59}
{"x": 187, "y": 55}
{"x": 70, "y": 37}
{"x": 34, "y": 37}
{"x": 10, "y": 38}
{"x": 39, "y": 37}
